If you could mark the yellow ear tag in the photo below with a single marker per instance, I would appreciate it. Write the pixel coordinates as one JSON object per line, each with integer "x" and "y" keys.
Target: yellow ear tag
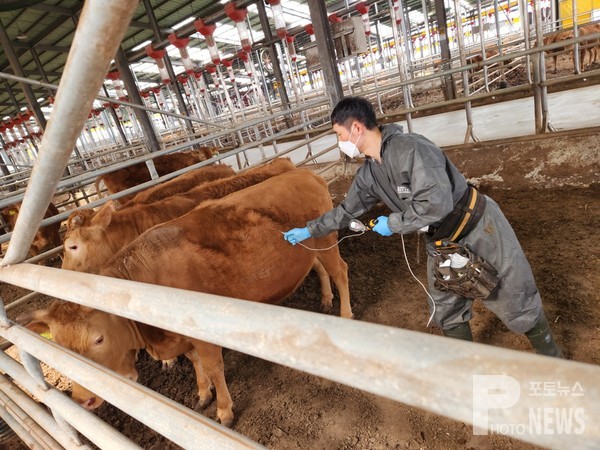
{"x": 11, "y": 212}
{"x": 47, "y": 335}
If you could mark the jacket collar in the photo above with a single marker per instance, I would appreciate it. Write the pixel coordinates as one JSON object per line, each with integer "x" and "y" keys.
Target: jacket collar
{"x": 387, "y": 133}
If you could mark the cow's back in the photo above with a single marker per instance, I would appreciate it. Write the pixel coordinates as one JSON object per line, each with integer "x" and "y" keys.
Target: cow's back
{"x": 138, "y": 173}
{"x": 183, "y": 183}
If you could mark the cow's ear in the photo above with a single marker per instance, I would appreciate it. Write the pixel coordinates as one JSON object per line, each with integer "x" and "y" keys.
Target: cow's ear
{"x": 75, "y": 220}
{"x": 10, "y": 211}
{"x": 104, "y": 216}
{"x": 36, "y": 321}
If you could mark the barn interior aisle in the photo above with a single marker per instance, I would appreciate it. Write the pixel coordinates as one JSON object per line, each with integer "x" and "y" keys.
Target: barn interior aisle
{"x": 119, "y": 117}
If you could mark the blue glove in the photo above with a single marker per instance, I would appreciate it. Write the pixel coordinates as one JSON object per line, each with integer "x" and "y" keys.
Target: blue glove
{"x": 381, "y": 226}
{"x": 296, "y": 235}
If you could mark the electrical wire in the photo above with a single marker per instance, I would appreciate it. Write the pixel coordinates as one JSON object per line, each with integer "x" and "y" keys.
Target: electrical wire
{"x": 330, "y": 247}
{"x": 405, "y": 258}
{"x": 418, "y": 281}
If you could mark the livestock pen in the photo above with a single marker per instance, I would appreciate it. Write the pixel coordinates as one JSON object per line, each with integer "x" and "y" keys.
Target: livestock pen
{"x": 410, "y": 366}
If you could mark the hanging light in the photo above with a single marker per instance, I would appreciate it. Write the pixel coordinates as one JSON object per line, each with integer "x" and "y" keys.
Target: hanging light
{"x": 310, "y": 31}
{"x": 207, "y": 31}
{"x": 363, "y": 10}
{"x": 247, "y": 64}
{"x": 280, "y": 26}
{"x": 289, "y": 39}
{"x": 228, "y": 63}
{"x": 20, "y": 35}
{"x": 181, "y": 44}
{"x": 157, "y": 56}
{"x": 238, "y": 15}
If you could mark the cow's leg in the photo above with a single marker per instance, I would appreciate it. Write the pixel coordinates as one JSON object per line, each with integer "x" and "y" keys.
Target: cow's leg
{"x": 337, "y": 269}
{"x": 202, "y": 380}
{"x": 326, "y": 292}
{"x": 212, "y": 361}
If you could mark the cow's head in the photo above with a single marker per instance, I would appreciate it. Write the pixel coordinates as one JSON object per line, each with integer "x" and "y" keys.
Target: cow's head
{"x": 10, "y": 214}
{"x": 85, "y": 246}
{"x": 104, "y": 338}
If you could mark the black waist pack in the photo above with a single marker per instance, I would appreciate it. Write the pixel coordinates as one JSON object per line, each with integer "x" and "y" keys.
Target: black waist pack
{"x": 459, "y": 270}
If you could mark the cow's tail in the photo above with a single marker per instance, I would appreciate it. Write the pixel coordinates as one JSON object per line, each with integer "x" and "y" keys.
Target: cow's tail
{"x": 97, "y": 186}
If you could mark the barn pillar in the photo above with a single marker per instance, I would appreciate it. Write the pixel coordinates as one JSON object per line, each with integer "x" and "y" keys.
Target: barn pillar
{"x": 135, "y": 97}
{"x": 440, "y": 13}
{"x": 327, "y": 57}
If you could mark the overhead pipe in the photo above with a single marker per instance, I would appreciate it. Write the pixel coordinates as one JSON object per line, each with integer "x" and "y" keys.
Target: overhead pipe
{"x": 119, "y": 102}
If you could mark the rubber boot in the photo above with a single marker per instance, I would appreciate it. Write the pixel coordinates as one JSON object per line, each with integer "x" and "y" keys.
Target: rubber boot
{"x": 462, "y": 331}
{"x": 542, "y": 340}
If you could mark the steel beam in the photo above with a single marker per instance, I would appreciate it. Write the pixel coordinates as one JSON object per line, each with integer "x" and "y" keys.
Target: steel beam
{"x": 44, "y": 47}
{"x": 18, "y": 69}
{"x": 135, "y": 97}
{"x": 40, "y": 67}
{"x": 442, "y": 20}
{"x": 13, "y": 99}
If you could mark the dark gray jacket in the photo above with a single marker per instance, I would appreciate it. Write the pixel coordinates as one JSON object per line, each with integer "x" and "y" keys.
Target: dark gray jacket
{"x": 414, "y": 179}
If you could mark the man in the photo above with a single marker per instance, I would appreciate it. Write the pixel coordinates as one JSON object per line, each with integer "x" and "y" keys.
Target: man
{"x": 426, "y": 192}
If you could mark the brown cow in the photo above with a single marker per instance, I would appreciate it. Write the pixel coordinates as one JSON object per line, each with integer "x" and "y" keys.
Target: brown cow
{"x": 87, "y": 247}
{"x": 557, "y": 37}
{"x": 591, "y": 46}
{"x": 183, "y": 183}
{"x": 131, "y": 176}
{"x": 232, "y": 247}
{"x": 46, "y": 238}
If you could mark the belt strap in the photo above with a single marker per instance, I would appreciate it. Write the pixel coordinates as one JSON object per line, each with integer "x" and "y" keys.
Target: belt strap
{"x": 463, "y": 218}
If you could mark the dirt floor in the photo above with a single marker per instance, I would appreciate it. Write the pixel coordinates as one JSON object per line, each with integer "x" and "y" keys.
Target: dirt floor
{"x": 282, "y": 408}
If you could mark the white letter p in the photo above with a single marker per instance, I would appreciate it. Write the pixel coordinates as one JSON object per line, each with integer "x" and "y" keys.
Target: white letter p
{"x": 492, "y": 392}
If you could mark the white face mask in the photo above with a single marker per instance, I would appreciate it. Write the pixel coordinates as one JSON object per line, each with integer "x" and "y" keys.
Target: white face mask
{"x": 348, "y": 148}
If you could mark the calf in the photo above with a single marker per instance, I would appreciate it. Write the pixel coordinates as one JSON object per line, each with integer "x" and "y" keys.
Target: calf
{"x": 557, "y": 37}
{"x": 231, "y": 247}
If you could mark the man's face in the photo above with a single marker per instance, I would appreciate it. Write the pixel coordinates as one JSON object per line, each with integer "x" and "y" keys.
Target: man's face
{"x": 343, "y": 134}
{"x": 347, "y": 134}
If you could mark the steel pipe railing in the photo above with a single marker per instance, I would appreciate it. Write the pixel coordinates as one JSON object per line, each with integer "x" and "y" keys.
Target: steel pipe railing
{"x": 430, "y": 372}
{"x": 174, "y": 421}
{"x": 87, "y": 423}
{"x": 31, "y": 413}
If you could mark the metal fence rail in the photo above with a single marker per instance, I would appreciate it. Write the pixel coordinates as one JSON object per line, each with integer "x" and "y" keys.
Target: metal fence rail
{"x": 429, "y": 372}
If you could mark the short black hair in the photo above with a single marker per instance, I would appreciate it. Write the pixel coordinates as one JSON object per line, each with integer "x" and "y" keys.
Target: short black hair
{"x": 354, "y": 108}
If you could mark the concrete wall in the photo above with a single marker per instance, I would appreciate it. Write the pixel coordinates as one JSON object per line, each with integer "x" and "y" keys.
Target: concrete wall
{"x": 553, "y": 160}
